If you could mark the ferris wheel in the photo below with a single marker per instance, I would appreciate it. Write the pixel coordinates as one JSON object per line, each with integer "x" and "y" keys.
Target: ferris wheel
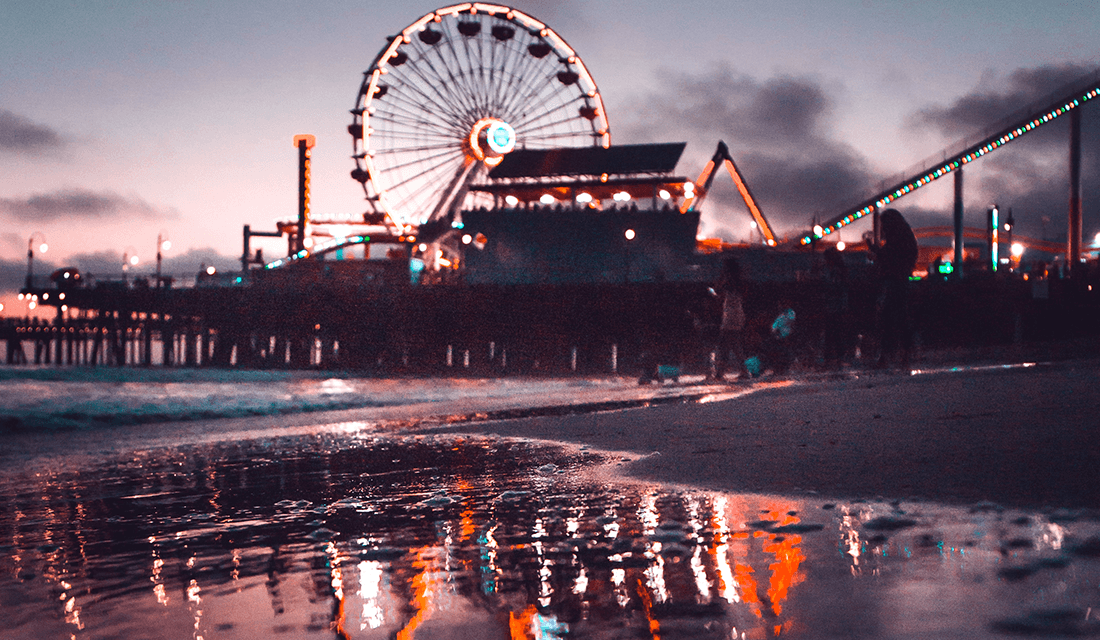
{"x": 453, "y": 93}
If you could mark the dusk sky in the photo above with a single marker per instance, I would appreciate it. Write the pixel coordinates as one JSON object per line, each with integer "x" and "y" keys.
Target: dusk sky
{"x": 121, "y": 120}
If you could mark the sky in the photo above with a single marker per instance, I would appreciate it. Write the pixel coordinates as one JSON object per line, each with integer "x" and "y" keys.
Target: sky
{"x": 122, "y": 121}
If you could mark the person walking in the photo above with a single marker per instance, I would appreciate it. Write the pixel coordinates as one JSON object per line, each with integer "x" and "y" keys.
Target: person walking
{"x": 731, "y": 328}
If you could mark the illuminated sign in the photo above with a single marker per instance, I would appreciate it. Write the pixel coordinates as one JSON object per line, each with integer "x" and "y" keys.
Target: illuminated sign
{"x": 501, "y": 137}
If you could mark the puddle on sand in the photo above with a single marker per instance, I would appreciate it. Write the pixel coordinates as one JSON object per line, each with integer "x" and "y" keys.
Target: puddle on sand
{"x": 440, "y": 537}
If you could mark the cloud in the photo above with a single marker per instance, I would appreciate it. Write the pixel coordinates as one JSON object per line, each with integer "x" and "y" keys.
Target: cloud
{"x": 1031, "y": 174}
{"x": 780, "y": 133}
{"x": 20, "y": 135}
{"x": 981, "y": 109}
{"x": 80, "y": 204}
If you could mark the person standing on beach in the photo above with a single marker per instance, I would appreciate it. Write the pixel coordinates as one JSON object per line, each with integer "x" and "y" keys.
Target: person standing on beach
{"x": 730, "y": 339}
{"x": 895, "y": 260}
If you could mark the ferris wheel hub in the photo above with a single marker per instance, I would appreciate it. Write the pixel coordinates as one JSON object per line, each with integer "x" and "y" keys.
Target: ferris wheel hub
{"x": 491, "y": 139}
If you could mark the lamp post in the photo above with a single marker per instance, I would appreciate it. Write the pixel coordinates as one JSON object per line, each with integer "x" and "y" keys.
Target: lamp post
{"x": 42, "y": 248}
{"x": 163, "y": 244}
{"x": 129, "y": 259}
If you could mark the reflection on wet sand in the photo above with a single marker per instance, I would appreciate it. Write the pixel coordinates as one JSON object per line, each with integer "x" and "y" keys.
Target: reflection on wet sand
{"x": 353, "y": 536}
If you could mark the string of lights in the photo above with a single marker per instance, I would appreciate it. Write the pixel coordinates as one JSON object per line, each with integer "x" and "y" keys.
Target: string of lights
{"x": 942, "y": 169}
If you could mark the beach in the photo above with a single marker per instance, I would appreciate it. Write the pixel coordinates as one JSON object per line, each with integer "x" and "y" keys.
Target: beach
{"x": 952, "y": 501}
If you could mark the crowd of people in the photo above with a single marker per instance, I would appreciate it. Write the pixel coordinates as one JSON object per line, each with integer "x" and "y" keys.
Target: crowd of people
{"x": 773, "y": 337}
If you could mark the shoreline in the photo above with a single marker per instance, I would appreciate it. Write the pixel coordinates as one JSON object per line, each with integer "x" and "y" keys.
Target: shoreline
{"x": 1012, "y": 433}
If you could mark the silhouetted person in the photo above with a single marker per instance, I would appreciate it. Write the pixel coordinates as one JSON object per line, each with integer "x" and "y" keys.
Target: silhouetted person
{"x": 895, "y": 260}
{"x": 732, "y": 325}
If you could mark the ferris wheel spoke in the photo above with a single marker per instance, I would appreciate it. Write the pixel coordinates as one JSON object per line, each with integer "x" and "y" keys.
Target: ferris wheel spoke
{"x": 399, "y": 165}
{"x": 552, "y": 114}
{"x": 426, "y": 66}
{"x": 409, "y": 116}
{"x": 441, "y": 82}
{"x": 527, "y": 85}
{"x": 544, "y": 103}
{"x": 443, "y": 120}
{"x": 517, "y": 65}
{"x": 413, "y": 121}
{"x": 445, "y": 102}
{"x": 471, "y": 52}
{"x": 457, "y": 73}
{"x": 428, "y": 193}
{"x": 443, "y": 144}
{"x": 532, "y": 91}
{"x": 436, "y": 161}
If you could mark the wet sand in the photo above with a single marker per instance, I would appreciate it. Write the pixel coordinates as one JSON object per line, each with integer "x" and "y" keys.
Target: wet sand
{"x": 1023, "y": 436}
{"x": 831, "y": 514}
{"x": 1012, "y": 434}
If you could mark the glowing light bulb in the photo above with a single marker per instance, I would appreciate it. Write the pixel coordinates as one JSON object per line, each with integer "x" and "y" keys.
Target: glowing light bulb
{"x": 665, "y": 195}
{"x": 547, "y": 199}
{"x": 511, "y": 200}
{"x": 629, "y": 234}
{"x": 584, "y": 198}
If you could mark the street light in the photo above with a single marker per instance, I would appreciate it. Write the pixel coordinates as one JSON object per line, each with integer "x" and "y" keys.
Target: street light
{"x": 163, "y": 244}
{"x": 42, "y": 248}
{"x": 129, "y": 259}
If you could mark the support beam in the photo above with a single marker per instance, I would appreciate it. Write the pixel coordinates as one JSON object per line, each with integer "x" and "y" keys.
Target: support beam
{"x": 1073, "y": 234}
{"x": 959, "y": 253}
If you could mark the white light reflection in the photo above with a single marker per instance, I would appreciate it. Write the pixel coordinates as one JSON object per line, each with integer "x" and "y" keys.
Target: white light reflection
{"x": 580, "y": 585}
{"x": 700, "y": 573}
{"x": 1054, "y": 535}
{"x": 648, "y": 515}
{"x": 655, "y": 577}
{"x": 702, "y": 583}
{"x": 235, "y": 574}
{"x": 158, "y": 584}
{"x": 622, "y": 596}
{"x": 72, "y": 613}
{"x": 194, "y": 601}
{"x": 545, "y": 590}
{"x": 851, "y": 539}
{"x": 370, "y": 590}
{"x": 726, "y": 582}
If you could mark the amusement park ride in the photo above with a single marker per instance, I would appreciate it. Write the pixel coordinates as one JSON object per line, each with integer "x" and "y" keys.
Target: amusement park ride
{"x": 482, "y": 107}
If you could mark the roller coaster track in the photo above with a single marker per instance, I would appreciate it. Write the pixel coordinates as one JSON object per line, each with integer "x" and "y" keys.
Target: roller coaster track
{"x": 975, "y": 233}
{"x": 951, "y": 160}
